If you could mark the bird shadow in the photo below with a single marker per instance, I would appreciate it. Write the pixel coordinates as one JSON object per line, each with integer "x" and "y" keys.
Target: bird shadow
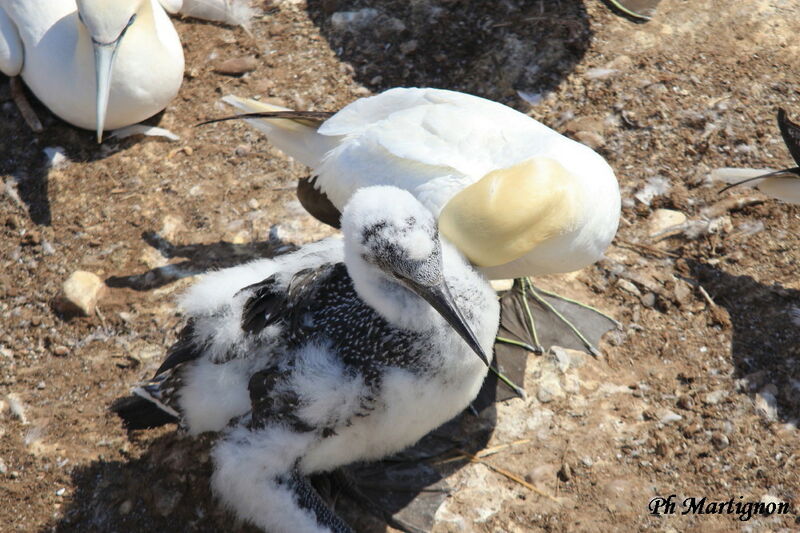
{"x": 765, "y": 323}
{"x": 168, "y": 484}
{"x": 200, "y": 258}
{"x": 492, "y": 49}
{"x": 25, "y": 161}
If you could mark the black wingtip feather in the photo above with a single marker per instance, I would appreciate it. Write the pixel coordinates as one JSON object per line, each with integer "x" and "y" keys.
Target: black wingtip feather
{"x": 138, "y": 413}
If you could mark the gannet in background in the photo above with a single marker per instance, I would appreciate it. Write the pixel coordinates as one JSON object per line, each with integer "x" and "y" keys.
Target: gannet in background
{"x": 97, "y": 64}
{"x": 781, "y": 184}
{"x": 236, "y": 12}
{"x": 517, "y": 198}
{"x": 346, "y": 350}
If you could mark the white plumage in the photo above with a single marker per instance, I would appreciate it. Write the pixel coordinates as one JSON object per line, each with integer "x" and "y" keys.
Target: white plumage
{"x": 528, "y": 201}
{"x": 97, "y": 65}
{"x": 320, "y": 365}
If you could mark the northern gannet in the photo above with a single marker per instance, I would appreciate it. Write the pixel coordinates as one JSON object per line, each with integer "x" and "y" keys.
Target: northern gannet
{"x": 346, "y": 350}
{"x": 516, "y": 197}
{"x": 97, "y": 64}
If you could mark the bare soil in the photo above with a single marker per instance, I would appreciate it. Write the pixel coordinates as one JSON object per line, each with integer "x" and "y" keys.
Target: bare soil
{"x": 682, "y": 402}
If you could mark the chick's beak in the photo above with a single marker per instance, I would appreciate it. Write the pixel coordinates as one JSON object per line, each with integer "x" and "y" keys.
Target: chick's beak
{"x": 440, "y": 299}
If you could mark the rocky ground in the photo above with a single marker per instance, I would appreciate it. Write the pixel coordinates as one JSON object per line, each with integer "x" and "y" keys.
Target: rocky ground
{"x": 698, "y": 395}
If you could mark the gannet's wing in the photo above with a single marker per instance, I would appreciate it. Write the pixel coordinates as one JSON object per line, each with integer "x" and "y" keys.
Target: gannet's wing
{"x": 442, "y": 128}
{"x": 234, "y": 12}
{"x": 11, "y": 51}
{"x": 171, "y": 6}
{"x": 272, "y": 302}
{"x": 296, "y": 136}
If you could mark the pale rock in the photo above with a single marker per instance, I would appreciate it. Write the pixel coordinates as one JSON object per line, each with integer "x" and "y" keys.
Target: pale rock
{"x": 627, "y": 286}
{"x": 151, "y": 258}
{"x": 666, "y": 416}
{"x": 591, "y": 139}
{"x": 81, "y": 291}
{"x": 663, "y": 219}
{"x": 713, "y": 398}
{"x": 16, "y": 407}
{"x": 549, "y": 389}
{"x": 767, "y": 405}
{"x": 171, "y": 226}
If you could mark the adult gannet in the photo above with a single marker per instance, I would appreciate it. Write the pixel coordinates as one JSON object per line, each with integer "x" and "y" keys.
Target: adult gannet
{"x": 781, "y": 184}
{"x": 97, "y": 64}
{"x": 517, "y": 198}
{"x": 343, "y": 351}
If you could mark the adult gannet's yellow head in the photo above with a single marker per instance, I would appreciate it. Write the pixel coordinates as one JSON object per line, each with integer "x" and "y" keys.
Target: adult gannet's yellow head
{"x": 107, "y": 22}
{"x": 509, "y": 211}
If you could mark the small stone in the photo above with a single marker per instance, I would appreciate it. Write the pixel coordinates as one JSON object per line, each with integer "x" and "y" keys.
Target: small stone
{"x": 41, "y": 385}
{"x": 668, "y": 416}
{"x": 125, "y": 507}
{"x": 627, "y": 286}
{"x": 242, "y": 150}
{"x": 56, "y": 156}
{"x": 685, "y": 402}
{"x": 80, "y": 293}
{"x": 682, "y": 292}
{"x": 409, "y": 47}
{"x": 12, "y": 222}
{"x": 3, "y": 468}
{"x": 565, "y": 473}
{"x": 171, "y": 225}
{"x": 16, "y": 407}
{"x": 549, "y": 389}
{"x": 587, "y": 461}
{"x": 61, "y": 491}
{"x": 649, "y": 300}
{"x": 720, "y": 441}
{"x": 663, "y": 219}
{"x": 662, "y": 448}
{"x": 237, "y": 66}
{"x": 252, "y": 203}
{"x": 61, "y": 350}
{"x": 713, "y": 398}
{"x": 167, "y": 500}
{"x": 562, "y": 358}
{"x": 591, "y": 139}
{"x": 767, "y": 405}
{"x": 353, "y": 20}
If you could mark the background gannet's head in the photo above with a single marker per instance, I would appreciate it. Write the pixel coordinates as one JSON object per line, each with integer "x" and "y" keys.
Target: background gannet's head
{"x": 107, "y": 21}
{"x": 389, "y": 235}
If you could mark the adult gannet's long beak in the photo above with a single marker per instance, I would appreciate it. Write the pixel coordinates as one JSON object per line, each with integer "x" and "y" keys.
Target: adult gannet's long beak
{"x": 440, "y": 299}
{"x": 104, "y": 54}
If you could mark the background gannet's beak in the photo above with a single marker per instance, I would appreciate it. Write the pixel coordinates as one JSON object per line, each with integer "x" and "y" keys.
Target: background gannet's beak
{"x": 440, "y": 299}
{"x": 104, "y": 54}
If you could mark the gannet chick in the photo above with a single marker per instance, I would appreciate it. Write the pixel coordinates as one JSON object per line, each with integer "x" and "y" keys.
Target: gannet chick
{"x": 781, "y": 184}
{"x": 343, "y": 351}
{"x": 97, "y": 64}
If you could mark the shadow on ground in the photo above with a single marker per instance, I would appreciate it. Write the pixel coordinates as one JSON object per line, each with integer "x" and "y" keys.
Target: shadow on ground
{"x": 765, "y": 321}
{"x": 491, "y": 49}
{"x": 167, "y": 487}
{"x": 199, "y": 258}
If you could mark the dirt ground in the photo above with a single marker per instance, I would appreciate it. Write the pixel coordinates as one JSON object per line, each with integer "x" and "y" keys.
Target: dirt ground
{"x": 698, "y": 396}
